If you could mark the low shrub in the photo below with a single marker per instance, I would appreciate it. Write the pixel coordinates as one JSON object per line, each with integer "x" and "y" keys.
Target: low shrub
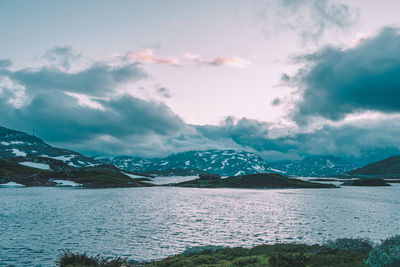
{"x": 387, "y": 254}
{"x": 70, "y": 259}
{"x": 350, "y": 244}
{"x": 201, "y": 249}
{"x": 289, "y": 260}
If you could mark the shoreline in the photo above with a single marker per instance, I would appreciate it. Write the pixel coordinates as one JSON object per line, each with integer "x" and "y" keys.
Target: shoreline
{"x": 341, "y": 252}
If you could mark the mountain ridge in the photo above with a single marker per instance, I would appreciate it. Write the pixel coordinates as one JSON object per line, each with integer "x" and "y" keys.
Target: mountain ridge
{"x": 386, "y": 168}
{"x": 224, "y": 162}
{"x": 19, "y": 144}
{"x": 314, "y": 166}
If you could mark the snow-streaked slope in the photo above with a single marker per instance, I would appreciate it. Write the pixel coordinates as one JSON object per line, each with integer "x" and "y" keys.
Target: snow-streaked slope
{"x": 223, "y": 162}
{"x": 19, "y": 144}
{"x": 41, "y": 166}
{"x": 66, "y": 183}
{"x": 12, "y": 184}
{"x": 128, "y": 163}
{"x": 316, "y": 166}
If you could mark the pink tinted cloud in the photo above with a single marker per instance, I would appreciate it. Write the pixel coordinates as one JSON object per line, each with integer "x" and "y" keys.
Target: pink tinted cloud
{"x": 234, "y": 61}
{"x": 149, "y": 57}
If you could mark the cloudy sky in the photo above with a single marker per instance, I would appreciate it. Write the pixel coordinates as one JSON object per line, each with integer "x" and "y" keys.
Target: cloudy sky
{"x": 283, "y": 78}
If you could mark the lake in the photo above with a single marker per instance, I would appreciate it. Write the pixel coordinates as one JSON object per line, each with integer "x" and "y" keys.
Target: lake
{"x": 37, "y": 224}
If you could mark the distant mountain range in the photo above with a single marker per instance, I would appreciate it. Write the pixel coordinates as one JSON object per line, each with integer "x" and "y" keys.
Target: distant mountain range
{"x": 222, "y": 162}
{"x": 231, "y": 162}
{"x": 316, "y": 166}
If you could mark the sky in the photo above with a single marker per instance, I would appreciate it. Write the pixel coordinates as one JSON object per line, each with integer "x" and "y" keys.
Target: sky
{"x": 283, "y": 78}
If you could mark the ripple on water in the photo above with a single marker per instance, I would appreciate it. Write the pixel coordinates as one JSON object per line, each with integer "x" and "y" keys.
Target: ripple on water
{"x": 152, "y": 223}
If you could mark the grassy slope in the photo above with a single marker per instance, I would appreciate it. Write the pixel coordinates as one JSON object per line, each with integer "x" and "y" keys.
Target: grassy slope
{"x": 12, "y": 171}
{"x": 98, "y": 177}
{"x": 282, "y": 255}
{"x": 262, "y": 180}
{"x": 268, "y": 255}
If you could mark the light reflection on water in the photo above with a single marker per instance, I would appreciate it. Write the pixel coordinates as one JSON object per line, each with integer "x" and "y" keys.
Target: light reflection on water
{"x": 149, "y": 223}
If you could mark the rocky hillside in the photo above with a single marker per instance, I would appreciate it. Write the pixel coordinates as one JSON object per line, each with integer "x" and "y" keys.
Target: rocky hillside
{"x": 27, "y": 173}
{"x": 318, "y": 166}
{"x": 387, "y": 168}
{"x": 223, "y": 162}
{"x": 19, "y": 144}
{"x": 127, "y": 163}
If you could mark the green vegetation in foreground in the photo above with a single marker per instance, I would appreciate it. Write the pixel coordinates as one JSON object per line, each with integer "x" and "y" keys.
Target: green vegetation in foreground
{"x": 70, "y": 259}
{"x": 343, "y": 252}
{"x": 256, "y": 181}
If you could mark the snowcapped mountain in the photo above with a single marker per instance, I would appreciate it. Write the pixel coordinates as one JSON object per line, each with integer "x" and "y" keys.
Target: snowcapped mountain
{"x": 128, "y": 163}
{"x": 315, "y": 166}
{"x": 223, "y": 162}
{"x": 19, "y": 144}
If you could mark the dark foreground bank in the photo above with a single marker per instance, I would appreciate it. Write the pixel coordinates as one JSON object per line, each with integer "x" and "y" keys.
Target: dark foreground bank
{"x": 342, "y": 252}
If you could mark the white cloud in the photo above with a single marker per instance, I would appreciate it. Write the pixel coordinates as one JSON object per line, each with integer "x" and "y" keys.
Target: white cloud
{"x": 86, "y": 101}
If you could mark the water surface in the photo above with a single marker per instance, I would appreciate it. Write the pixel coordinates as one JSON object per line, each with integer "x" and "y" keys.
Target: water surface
{"x": 36, "y": 224}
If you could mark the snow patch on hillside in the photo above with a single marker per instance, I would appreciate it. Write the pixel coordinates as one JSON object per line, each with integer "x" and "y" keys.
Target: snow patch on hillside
{"x": 65, "y": 183}
{"x": 36, "y": 165}
{"x": 11, "y": 184}
{"x": 133, "y": 175}
{"x": 18, "y": 152}
{"x": 4, "y": 143}
{"x": 64, "y": 158}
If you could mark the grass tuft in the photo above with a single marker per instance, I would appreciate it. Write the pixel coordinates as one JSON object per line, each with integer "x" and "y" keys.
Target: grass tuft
{"x": 70, "y": 259}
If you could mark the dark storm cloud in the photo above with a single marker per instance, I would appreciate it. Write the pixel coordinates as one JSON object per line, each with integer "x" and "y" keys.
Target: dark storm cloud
{"x": 99, "y": 79}
{"x": 364, "y": 140}
{"x": 58, "y": 118}
{"x": 276, "y": 102}
{"x": 165, "y": 92}
{"x": 63, "y": 55}
{"x": 82, "y": 109}
{"x": 246, "y": 133}
{"x": 309, "y": 18}
{"x": 336, "y": 82}
{"x": 5, "y": 63}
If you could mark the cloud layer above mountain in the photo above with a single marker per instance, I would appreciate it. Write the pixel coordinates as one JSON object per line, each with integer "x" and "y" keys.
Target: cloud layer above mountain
{"x": 336, "y": 82}
{"x": 83, "y": 109}
{"x": 309, "y": 18}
